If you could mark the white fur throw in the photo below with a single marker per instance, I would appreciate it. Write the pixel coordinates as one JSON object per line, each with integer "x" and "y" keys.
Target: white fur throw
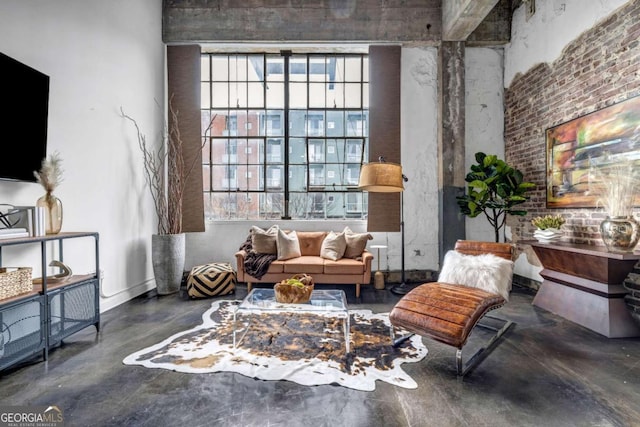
{"x": 487, "y": 272}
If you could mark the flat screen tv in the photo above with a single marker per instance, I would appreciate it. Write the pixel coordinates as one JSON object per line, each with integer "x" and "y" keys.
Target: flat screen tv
{"x": 24, "y": 108}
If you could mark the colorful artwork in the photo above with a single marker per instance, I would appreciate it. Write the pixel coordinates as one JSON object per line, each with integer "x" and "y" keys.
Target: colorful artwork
{"x": 597, "y": 140}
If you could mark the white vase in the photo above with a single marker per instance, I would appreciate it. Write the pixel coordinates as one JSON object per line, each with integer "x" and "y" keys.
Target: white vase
{"x": 547, "y": 235}
{"x": 167, "y": 256}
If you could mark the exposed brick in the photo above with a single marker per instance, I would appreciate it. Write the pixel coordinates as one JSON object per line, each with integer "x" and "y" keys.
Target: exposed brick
{"x": 597, "y": 69}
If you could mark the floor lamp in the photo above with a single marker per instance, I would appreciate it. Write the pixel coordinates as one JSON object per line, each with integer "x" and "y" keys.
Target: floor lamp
{"x": 383, "y": 177}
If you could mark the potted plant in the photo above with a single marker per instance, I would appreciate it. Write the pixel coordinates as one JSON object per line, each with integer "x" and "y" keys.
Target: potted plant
{"x": 166, "y": 173}
{"x": 548, "y": 227}
{"x": 496, "y": 190}
{"x": 617, "y": 186}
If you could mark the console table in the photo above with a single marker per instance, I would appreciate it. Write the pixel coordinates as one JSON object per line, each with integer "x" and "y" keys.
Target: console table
{"x": 583, "y": 283}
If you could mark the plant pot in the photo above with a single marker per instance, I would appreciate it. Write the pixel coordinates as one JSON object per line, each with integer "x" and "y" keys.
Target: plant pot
{"x": 547, "y": 235}
{"x": 620, "y": 233}
{"x": 167, "y": 256}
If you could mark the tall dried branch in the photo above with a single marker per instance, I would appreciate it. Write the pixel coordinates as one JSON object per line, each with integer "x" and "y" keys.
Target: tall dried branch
{"x": 166, "y": 171}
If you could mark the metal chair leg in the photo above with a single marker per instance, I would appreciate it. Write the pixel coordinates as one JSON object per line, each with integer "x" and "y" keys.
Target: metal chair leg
{"x": 462, "y": 368}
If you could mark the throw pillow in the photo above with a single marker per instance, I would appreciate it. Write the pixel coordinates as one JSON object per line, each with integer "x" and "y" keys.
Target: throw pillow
{"x": 288, "y": 245}
{"x": 487, "y": 272}
{"x": 356, "y": 243}
{"x": 264, "y": 241}
{"x": 333, "y": 246}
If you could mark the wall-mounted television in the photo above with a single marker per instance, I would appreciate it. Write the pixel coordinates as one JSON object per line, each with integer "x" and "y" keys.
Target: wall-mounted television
{"x": 24, "y": 108}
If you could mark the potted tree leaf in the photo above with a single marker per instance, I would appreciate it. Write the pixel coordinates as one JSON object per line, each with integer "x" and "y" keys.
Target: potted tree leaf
{"x": 496, "y": 190}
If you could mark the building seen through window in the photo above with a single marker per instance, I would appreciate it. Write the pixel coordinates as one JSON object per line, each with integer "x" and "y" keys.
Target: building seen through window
{"x": 269, "y": 156}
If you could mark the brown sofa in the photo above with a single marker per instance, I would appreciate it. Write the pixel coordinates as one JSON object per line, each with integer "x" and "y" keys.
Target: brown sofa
{"x": 343, "y": 271}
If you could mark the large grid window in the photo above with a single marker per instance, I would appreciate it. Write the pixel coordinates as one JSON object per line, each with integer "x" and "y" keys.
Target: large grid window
{"x": 287, "y": 134}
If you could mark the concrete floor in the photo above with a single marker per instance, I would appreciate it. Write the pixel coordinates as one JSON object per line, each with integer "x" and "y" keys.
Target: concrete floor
{"x": 547, "y": 372}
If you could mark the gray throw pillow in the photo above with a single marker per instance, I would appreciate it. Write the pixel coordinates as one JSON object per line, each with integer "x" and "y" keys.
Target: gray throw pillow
{"x": 264, "y": 241}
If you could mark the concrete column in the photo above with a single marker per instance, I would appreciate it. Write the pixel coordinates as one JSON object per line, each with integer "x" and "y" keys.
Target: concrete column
{"x": 452, "y": 167}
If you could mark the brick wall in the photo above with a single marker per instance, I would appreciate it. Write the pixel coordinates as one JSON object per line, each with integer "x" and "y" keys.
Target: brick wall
{"x": 599, "y": 68}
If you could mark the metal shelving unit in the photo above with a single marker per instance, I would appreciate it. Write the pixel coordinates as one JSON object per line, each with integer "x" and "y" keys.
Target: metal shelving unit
{"x": 36, "y": 321}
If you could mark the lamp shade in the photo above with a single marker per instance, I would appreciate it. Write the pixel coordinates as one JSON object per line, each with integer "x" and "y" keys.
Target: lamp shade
{"x": 381, "y": 177}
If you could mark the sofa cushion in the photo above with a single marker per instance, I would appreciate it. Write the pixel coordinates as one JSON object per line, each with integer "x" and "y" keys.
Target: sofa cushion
{"x": 304, "y": 264}
{"x": 288, "y": 246}
{"x": 264, "y": 241}
{"x": 356, "y": 243}
{"x": 311, "y": 242}
{"x": 333, "y": 246}
{"x": 343, "y": 266}
{"x": 276, "y": 267}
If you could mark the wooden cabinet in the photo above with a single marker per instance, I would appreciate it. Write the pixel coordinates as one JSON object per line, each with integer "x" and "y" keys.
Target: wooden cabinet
{"x": 35, "y": 321}
{"x": 583, "y": 283}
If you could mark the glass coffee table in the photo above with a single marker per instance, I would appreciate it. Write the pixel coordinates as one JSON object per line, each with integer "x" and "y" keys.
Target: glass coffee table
{"x": 330, "y": 303}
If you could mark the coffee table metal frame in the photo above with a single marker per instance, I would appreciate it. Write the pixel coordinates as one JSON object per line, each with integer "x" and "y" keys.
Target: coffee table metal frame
{"x": 330, "y": 303}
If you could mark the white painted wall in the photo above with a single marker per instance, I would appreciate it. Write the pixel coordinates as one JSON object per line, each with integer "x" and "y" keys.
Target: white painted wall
{"x": 555, "y": 23}
{"x": 419, "y": 160}
{"x": 541, "y": 39}
{"x": 100, "y": 55}
{"x": 484, "y": 120}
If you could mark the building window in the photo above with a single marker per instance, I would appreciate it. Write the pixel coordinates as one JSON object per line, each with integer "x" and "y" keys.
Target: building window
{"x": 268, "y": 157}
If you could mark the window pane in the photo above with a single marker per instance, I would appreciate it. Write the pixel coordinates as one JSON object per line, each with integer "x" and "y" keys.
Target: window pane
{"x": 351, "y": 175}
{"x": 298, "y": 69}
{"x": 275, "y": 69}
{"x": 256, "y": 95}
{"x": 206, "y": 176}
{"x": 219, "y": 68}
{"x": 316, "y": 95}
{"x": 298, "y": 95}
{"x": 335, "y": 123}
{"x": 255, "y": 72}
{"x": 335, "y": 95}
{"x": 238, "y": 94}
{"x": 271, "y": 205}
{"x": 335, "y": 205}
{"x": 315, "y": 123}
{"x": 275, "y": 95}
{"x": 316, "y": 205}
{"x": 297, "y": 151}
{"x": 299, "y": 205}
{"x": 335, "y": 150}
{"x": 333, "y": 175}
{"x": 297, "y": 123}
{"x": 365, "y": 69}
{"x": 297, "y": 178}
{"x": 220, "y": 95}
{"x": 238, "y": 68}
{"x": 274, "y": 123}
{"x": 205, "y": 95}
{"x": 365, "y": 96}
{"x": 275, "y": 150}
{"x": 316, "y": 150}
{"x": 353, "y": 69}
{"x": 204, "y": 68}
{"x": 352, "y": 94}
{"x": 337, "y": 73}
{"x": 275, "y": 177}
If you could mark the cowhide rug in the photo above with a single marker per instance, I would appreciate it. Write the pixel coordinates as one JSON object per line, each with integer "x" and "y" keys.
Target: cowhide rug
{"x": 301, "y": 347}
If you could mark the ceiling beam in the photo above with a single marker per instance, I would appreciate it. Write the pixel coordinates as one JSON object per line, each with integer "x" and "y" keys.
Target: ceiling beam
{"x": 461, "y": 17}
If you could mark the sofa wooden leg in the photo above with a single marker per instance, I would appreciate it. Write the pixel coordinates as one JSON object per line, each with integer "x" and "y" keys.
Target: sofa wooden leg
{"x": 249, "y": 286}
{"x": 357, "y": 290}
